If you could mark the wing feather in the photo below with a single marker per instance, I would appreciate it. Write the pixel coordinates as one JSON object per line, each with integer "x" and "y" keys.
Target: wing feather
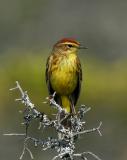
{"x": 47, "y": 74}
{"x": 76, "y": 92}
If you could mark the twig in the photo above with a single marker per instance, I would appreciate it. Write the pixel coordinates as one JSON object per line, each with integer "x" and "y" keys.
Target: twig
{"x": 53, "y": 102}
{"x": 90, "y": 130}
{"x": 25, "y": 148}
{"x": 82, "y": 155}
{"x": 25, "y": 99}
{"x": 14, "y": 134}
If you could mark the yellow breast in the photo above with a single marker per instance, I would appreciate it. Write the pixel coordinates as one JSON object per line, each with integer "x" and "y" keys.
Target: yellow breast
{"x": 64, "y": 78}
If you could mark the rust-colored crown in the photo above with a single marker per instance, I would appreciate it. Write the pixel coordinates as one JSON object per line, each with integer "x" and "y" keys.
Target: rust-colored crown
{"x": 68, "y": 40}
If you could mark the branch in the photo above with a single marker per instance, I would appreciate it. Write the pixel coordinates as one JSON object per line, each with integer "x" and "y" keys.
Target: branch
{"x": 90, "y": 130}
{"x": 82, "y": 155}
{"x": 26, "y": 100}
{"x": 64, "y": 144}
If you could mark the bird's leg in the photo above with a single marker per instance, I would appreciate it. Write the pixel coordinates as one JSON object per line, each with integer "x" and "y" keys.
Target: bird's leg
{"x": 73, "y": 109}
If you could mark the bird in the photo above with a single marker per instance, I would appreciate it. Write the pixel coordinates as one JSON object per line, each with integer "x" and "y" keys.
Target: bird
{"x": 64, "y": 73}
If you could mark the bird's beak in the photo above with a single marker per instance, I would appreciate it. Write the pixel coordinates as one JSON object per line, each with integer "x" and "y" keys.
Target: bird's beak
{"x": 82, "y": 47}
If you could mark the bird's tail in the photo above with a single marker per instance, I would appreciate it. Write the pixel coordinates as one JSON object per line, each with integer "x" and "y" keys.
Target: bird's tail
{"x": 66, "y": 103}
{"x": 69, "y": 108}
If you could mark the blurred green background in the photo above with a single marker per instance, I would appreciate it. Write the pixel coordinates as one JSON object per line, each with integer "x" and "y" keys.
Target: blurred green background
{"x": 28, "y": 29}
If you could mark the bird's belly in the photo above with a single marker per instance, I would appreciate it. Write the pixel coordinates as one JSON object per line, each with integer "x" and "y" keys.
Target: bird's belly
{"x": 64, "y": 80}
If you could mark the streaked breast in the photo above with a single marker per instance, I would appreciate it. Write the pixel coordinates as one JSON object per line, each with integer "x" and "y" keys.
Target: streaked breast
{"x": 63, "y": 75}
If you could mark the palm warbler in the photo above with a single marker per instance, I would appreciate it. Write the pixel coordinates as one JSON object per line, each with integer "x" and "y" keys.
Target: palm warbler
{"x": 64, "y": 73}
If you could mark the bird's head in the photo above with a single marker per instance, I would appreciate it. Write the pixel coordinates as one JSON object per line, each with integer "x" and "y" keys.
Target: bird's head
{"x": 68, "y": 45}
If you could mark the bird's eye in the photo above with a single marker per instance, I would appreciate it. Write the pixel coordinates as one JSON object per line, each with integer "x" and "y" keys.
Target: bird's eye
{"x": 69, "y": 45}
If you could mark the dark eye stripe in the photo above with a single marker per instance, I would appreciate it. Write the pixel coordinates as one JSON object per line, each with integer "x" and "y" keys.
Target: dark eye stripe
{"x": 69, "y": 45}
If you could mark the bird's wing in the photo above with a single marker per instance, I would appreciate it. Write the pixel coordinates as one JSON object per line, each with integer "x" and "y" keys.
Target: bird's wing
{"x": 76, "y": 92}
{"x": 47, "y": 74}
